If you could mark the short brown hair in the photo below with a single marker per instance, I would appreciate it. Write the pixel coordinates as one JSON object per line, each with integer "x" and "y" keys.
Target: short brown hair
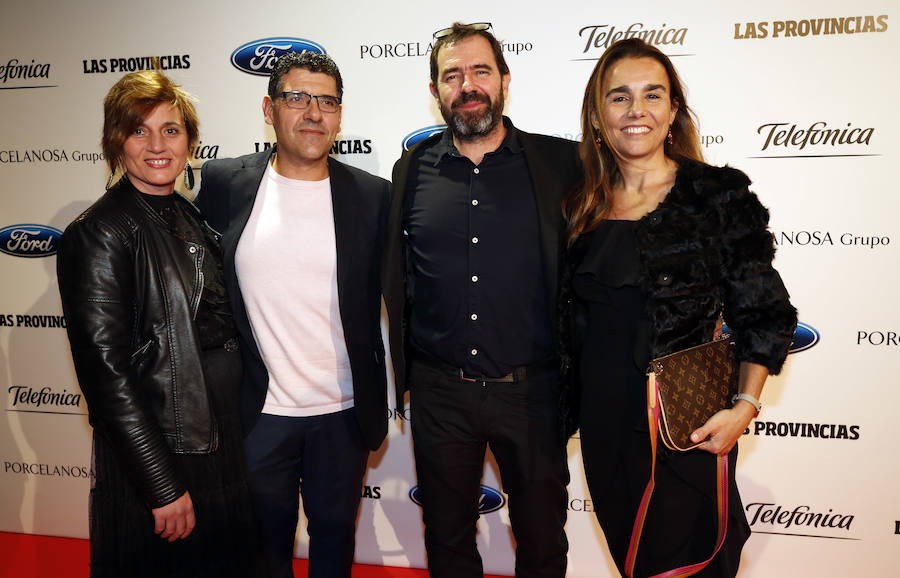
{"x": 128, "y": 103}
{"x": 459, "y": 31}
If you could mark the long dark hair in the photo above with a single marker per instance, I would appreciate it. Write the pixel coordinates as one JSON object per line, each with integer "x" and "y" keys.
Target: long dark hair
{"x": 587, "y": 205}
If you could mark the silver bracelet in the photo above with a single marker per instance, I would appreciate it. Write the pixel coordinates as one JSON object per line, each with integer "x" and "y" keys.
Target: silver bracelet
{"x": 748, "y": 398}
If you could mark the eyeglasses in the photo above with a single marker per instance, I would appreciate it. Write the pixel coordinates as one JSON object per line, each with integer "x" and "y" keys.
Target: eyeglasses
{"x": 300, "y": 100}
{"x": 478, "y": 26}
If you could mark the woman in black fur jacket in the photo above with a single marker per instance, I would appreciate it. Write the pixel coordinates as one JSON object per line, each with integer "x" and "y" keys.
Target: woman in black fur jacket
{"x": 661, "y": 246}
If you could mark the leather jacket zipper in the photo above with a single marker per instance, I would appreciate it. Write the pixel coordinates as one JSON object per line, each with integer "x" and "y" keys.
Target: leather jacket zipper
{"x": 198, "y": 279}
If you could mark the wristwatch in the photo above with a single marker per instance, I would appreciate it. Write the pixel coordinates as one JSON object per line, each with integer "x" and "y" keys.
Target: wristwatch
{"x": 749, "y": 399}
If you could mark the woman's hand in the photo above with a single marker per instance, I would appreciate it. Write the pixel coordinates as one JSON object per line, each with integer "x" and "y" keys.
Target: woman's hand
{"x": 175, "y": 520}
{"x": 723, "y": 429}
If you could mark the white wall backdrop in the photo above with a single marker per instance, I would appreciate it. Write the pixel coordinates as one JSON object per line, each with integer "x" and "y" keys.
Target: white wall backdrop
{"x": 767, "y": 80}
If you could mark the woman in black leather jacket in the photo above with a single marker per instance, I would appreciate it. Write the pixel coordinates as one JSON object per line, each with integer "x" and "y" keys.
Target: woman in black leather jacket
{"x": 661, "y": 246}
{"x": 153, "y": 341}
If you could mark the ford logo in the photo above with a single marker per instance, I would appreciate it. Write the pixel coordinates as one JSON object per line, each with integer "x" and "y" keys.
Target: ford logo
{"x": 259, "y": 56}
{"x": 490, "y": 499}
{"x": 29, "y": 240}
{"x": 804, "y": 338}
{"x": 421, "y": 134}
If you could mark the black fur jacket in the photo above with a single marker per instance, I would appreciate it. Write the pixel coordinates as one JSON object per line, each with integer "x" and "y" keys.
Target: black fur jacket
{"x": 705, "y": 250}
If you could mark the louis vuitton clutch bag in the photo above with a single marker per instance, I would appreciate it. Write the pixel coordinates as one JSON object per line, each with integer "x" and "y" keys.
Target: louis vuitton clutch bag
{"x": 691, "y": 385}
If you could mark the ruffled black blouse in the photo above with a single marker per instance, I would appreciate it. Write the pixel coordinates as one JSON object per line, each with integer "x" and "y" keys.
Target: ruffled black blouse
{"x": 615, "y": 350}
{"x": 214, "y": 321}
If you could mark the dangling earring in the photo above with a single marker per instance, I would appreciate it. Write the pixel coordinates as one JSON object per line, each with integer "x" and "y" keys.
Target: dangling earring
{"x": 669, "y": 138}
{"x": 188, "y": 176}
{"x": 112, "y": 174}
{"x": 598, "y": 141}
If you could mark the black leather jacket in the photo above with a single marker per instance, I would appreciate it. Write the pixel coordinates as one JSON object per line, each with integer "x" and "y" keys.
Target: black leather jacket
{"x": 130, "y": 290}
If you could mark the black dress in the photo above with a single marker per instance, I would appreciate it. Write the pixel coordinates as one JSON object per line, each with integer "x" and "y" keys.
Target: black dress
{"x": 680, "y": 527}
{"x": 224, "y": 542}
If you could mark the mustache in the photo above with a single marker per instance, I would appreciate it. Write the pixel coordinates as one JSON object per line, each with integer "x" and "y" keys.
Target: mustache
{"x": 471, "y": 97}
{"x": 310, "y": 125}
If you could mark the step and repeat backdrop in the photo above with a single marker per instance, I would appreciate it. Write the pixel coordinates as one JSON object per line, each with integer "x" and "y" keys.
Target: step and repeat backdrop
{"x": 799, "y": 95}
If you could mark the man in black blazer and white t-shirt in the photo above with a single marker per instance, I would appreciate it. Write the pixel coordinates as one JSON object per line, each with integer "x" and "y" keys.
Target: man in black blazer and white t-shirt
{"x": 302, "y": 236}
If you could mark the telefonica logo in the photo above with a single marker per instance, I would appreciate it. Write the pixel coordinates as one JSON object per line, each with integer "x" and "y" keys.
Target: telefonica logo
{"x": 797, "y": 521}
{"x": 24, "y": 74}
{"x": 598, "y": 37}
{"x": 259, "y": 56}
{"x": 490, "y": 500}
{"x": 788, "y": 139}
{"x": 47, "y": 398}
{"x": 421, "y": 134}
{"x": 29, "y": 240}
{"x": 805, "y": 336}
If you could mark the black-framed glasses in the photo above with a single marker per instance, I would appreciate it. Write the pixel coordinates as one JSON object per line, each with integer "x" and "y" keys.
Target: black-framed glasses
{"x": 300, "y": 100}
{"x": 479, "y": 26}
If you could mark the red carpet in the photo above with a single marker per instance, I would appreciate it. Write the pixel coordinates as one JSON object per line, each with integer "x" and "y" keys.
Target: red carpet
{"x": 28, "y": 556}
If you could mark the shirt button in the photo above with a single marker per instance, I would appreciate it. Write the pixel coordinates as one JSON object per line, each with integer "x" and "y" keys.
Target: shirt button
{"x": 474, "y": 202}
{"x": 474, "y": 317}
{"x": 474, "y": 352}
{"x": 192, "y": 249}
{"x": 476, "y": 170}
{"x": 474, "y": 278}
{"x": 474, "y": 239}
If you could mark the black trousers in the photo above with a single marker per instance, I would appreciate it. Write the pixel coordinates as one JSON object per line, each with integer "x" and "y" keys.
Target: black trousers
{"x": 453, "y": 421}
{"x": 327, "y": 453}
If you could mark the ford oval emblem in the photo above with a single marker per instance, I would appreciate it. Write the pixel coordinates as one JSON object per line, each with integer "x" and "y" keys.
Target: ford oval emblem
{"x": 421, "y": 134}
{"x": 490, "y": 500}
{"x": 29, "y": 240}
{"x": 415, "y": 495}
{"x": 259, "y": 56}
{"x": 805, "y": 337}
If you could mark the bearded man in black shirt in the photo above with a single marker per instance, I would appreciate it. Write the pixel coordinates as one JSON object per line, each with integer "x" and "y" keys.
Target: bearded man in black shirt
{"x": 470, "y": 281}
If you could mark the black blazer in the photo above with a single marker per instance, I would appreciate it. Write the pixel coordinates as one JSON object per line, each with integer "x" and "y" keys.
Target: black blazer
{"x": 554, "y": 166}
{"x": 360, "y": 202}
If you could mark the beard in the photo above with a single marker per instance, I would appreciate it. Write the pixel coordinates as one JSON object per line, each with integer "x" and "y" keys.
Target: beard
{"x": 475, "y": 124}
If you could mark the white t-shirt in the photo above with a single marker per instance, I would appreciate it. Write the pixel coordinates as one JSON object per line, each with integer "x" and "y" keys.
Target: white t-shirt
{"x": 286, "y": 262}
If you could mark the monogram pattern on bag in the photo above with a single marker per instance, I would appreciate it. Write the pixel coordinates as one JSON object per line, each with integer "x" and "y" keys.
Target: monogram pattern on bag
{"x": 693, "y": 385}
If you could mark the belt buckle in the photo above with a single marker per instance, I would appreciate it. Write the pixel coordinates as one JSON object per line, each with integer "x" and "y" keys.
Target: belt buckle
{"x": 463, "y": 377}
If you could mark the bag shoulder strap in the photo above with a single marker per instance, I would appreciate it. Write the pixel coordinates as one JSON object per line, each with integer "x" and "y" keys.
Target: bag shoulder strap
{"x": 653, "y": 416}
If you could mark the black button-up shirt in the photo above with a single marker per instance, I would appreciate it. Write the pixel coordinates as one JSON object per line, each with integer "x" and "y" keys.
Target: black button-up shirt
{"x": 475, "y": 273}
